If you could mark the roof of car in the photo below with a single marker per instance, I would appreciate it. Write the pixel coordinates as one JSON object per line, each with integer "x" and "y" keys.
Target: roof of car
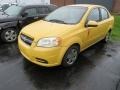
{"x": 85, "y": 5}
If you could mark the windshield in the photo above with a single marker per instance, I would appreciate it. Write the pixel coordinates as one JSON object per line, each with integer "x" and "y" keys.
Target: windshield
{"x": 13, "y": 10}
{"x": 67, "y": 15}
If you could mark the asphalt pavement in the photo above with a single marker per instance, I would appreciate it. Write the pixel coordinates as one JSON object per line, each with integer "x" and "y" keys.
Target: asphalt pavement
{"x": 98, "y": 68}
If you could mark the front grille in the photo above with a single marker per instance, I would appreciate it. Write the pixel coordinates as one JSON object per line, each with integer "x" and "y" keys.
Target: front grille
{"x": 26, "y": 39}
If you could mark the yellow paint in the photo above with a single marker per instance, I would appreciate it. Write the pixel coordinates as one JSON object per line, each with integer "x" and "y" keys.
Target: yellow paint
{"x": 69, "y": 34}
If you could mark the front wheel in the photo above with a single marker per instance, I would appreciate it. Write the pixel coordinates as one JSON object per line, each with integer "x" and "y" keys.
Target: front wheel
{"x": 70, "y": 56}
{"x": 9, "y": 35}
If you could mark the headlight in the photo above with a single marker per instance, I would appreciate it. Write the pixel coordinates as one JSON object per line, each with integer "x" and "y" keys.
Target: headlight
{"x": 49, "y": 42}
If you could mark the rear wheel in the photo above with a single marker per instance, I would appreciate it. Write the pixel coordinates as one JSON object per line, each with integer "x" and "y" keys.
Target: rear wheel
{"x": 70, "y": 56}
{"x": 9, "y": 35}
{"x": 107, "y": 37}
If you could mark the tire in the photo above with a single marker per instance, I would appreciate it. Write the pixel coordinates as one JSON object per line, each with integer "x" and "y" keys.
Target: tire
{"x": 71, "y": 56}
{"x": 107, "y": 37}
{"x": 9, "y": 35}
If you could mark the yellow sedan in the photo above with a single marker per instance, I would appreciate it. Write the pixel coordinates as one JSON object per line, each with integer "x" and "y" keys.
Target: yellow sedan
{"x": 62, "y": 35}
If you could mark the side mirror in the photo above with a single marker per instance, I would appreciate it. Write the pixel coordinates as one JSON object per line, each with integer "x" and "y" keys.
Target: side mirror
{"x": 24, "y": 14}
{"x": 92, "y": 24}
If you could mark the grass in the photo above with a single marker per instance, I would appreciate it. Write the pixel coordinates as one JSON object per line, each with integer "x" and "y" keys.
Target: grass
{"x": 116, "y": 29}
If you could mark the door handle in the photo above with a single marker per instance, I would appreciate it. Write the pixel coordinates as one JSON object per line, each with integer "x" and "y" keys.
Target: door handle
{"x": 36, "y": 17}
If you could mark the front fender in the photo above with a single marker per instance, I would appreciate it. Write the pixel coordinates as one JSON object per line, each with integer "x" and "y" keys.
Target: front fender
{"x": 67, "y": 44}
{"x": 71, "y": 41}
{"x": 8, "y": 24}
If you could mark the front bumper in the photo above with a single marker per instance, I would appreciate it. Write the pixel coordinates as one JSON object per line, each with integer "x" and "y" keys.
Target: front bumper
{"x": 47, "y": 57}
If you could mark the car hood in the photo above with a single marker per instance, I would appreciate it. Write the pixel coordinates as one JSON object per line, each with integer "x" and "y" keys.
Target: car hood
{"x": 41, "y": 29}
{"x": 6, "y": 18}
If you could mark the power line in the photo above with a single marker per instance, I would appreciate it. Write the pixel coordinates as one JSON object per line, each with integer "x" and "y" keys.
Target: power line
{"x": 10, "y": 1}
{"x": 1, "y": 0}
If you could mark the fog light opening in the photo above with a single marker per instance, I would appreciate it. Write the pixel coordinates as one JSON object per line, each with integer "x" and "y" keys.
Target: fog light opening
{"x": 42, "y": 60}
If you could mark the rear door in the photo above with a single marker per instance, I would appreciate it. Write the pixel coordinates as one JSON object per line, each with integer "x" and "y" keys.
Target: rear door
{"x": 105, "y": 21}
{"x": 31, "y": 15}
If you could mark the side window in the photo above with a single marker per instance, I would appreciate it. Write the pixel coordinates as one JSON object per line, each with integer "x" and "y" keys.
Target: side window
{"x": 104, "y": 13}
{"x": 43, "y": 10}
{"x": 31, "y": 11}
{"x": 94, "y": 15}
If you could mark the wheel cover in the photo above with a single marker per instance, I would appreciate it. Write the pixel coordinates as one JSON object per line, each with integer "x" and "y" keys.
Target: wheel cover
{"x": 10, "y": 35}
{"x": 72, "y": 56}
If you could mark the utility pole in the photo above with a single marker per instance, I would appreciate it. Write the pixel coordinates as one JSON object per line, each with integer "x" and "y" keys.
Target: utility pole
{"x": 16, "y": 1}
{"x": 64, "y": 2}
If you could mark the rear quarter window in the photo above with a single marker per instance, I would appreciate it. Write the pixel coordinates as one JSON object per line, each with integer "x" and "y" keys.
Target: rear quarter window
{"x": 104, "y": 13}
{"x": 52, "y": 8}
{"x": 43, "y": 10}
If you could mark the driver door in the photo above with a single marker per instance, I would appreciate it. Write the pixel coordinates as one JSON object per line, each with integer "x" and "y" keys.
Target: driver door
{"x": 94, "y": 32}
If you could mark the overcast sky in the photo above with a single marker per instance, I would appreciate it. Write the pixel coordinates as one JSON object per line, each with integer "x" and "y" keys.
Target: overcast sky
{"x": 26, "y": 1}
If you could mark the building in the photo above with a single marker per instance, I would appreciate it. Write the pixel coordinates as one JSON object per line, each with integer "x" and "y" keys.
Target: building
{"x": 112, "y": 5}
{"x": 62, "y": 2}
{"x": 116, "y": 7}
{"x": 25, "y": 1}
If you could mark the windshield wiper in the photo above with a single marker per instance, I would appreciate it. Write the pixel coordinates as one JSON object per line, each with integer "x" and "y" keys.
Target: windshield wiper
{"x": 57, "y": 21}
